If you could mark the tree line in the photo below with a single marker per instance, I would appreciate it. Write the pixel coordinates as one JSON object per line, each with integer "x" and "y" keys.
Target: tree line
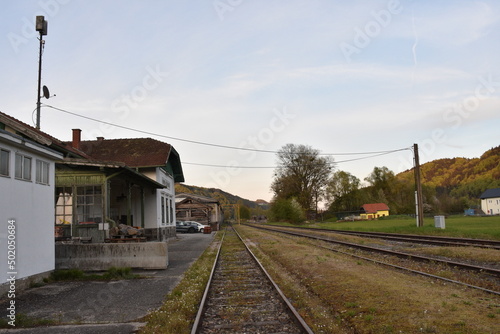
{"x": 303, "y": 178}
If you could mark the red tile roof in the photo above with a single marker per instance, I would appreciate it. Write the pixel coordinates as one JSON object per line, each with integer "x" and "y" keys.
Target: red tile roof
{"x": 134, "y": 152}
{"x": 375, "y": 207}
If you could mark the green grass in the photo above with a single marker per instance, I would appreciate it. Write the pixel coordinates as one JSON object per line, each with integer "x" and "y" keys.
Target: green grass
{"x": 456, "y": 226}
{"x": 180, "y": 307}
{"x": 112, "y": 273}
{"x": 24, "y": 321}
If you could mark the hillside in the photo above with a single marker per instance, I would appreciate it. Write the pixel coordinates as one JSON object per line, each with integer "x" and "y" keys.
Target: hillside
{"x": 461, "y": 176}
{"x": 222, "y": 196}
{"x": 450, "y": 185}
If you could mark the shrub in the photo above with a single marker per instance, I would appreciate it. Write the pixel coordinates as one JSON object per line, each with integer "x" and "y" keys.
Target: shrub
{"x": 288, "y": 210}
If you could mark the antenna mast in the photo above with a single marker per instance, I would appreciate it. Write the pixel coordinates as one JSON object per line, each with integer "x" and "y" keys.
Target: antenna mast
{"x": 41, "y": 27}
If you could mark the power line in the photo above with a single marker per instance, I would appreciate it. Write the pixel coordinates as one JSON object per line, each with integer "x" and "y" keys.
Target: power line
{"x": 219, "y": 145}
{"x": 156, "y": 134}
{"x": 269, "y": 167}
{"x": 226, "y": 166}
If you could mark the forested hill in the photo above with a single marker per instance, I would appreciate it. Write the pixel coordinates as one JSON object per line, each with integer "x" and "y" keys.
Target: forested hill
{"x": 450, "y": 185}
{"x": 222, "y": 196}
{"x": 465, "y": 176}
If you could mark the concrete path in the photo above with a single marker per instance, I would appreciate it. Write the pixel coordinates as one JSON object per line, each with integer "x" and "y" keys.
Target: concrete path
{"x": 108, "y": 307}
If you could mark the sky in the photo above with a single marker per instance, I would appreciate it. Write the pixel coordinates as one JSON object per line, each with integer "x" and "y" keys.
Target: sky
{"x": 230, "y": 82}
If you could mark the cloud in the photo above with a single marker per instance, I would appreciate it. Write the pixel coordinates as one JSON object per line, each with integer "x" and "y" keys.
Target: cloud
{"x": 378, "y": 72}
{"x": 457, "y": 23}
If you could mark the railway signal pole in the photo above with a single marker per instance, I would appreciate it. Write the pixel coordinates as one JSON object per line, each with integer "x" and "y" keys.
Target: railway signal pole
{"x": 418, "y": 192}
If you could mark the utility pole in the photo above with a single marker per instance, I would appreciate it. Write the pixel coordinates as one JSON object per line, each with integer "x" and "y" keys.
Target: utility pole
{"x": 41, "y": 27}
{"x": 418, "y": 194}
{"x": 238, "y": 213}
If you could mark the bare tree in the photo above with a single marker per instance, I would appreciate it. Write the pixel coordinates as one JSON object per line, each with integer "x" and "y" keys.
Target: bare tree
{"x": 302, "y": 174}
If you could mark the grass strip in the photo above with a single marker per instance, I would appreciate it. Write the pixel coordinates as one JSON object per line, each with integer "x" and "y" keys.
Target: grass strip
{"x": 337, "y": 294}
{"x": 25, "y": 321}
{"x": 179, "y": 309}
{"x": 111, "y": 274}
{"x": 456, "y": 226}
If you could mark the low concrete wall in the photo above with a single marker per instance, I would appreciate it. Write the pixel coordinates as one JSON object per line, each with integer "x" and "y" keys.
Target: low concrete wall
{"x": 160, "y": 233}
{"x": 102, "y": 256}
{"x": 23, "y": 283}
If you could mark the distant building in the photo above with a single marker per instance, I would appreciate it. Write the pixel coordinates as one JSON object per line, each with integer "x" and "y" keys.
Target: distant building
{"x": 490, "y": 201}
{"x": 199, "y": 208}
{"x": 262, "y": 203}
{"x": 374, "y": 210}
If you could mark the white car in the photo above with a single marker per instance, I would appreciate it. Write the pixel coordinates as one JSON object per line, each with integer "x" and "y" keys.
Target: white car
{"x": 199, "y": 227}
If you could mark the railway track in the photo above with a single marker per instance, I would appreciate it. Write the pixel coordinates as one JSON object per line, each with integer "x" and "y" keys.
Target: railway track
{"x": 242, "y": 298}
{"x": 427, "y": 239}
{"x": 413, "y": 238}
{"x": 491, "y": 272}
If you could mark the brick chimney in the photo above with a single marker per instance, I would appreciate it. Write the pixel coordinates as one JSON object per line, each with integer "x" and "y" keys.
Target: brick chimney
{"x": 77, "y": 138}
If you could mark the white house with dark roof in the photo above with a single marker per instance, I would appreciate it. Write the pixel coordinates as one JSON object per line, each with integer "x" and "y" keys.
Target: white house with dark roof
{"x": 27, "y": 181}
{"x": 490, "y": 201}
{"x": 83, "y": 187}
{"x": 152, "y": 159}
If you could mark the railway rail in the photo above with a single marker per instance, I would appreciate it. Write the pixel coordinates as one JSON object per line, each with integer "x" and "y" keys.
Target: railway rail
{"x": 241, "y": 297}
{"x": 494, "y": 273}
{"x": 413, "y": 238}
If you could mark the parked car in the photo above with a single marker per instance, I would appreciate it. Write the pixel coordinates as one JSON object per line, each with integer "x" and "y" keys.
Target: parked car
{"x": 198, "y": 226}
{"x": 184, "y": 227}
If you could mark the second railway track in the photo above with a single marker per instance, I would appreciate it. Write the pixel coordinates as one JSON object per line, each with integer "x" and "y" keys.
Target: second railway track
{"x": 413, "y": 238}
{"x": 242, "y": 298}
{"x": 495, "y": 273}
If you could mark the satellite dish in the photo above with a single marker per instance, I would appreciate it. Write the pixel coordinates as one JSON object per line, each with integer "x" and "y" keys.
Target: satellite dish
{"x": 46, "y": 93}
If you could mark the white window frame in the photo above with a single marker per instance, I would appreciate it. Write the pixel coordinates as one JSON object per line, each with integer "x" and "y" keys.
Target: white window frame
{"x": 5, "y": 159}
{"x": 163, "y": 200}
{"x": 42, "y": 172}
{"x": 23, "y": 167}
{"x": 171, "y": 211}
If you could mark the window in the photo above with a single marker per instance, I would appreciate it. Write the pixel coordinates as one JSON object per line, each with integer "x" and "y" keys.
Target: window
{"x": 171, "y": 212}
{"x": 89, "y": 204}
{"x": 23, "y": 167}
{"x": 163, "y": 215}
{"x": 64, "y": 205}
{"x": 167, "y": 217}
{"x": 4, "y": 162}
{"x": 42, "y": 172}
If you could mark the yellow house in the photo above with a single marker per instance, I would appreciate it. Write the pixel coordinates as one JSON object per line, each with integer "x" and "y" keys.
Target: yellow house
{"x": 374, "y": 210}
